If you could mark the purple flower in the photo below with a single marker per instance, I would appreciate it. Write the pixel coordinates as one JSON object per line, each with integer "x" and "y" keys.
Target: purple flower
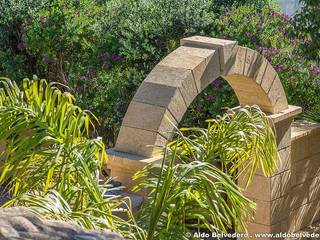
{"x": 248, "y": 34}
{"x": 259, "y": 48}
{"x": 279, "y": 67}
{"x": 254, "y": 38}
{"x": 198, "y": 109}
{"x": 216, "y": 83}
{"x": 291, "y": 78}
{"x": 212, "y": 98}
{"x": 314, "y": 69}
{"x": 273, "y": 14}
{"x": 21, "y": 44}
{"x": 115, "y": 57}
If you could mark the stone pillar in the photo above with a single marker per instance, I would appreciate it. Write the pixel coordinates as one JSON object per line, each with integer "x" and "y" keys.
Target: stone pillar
{"x": 271, "y": 194}
{"x": 124, "y": 165}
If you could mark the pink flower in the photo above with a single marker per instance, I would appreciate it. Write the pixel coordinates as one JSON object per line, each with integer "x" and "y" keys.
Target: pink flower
{"x": 314, "y": 69}
{"x": 212, "y": 98}
{"x": 21, "y": 44}
{"x": 115, "y": 57}
{"x": 216, "y": 83}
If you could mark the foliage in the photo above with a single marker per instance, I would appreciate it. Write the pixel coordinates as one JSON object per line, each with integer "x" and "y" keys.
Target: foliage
{"x": 13, "y": 14}
{"x": 189, "y": 191}
{"x": 51, "y": 166}
{"x": 190, "y": 196}
{"x": 49, "y": 153}
{"x": 64, "y": 37}
{"x": 268, "y": 32}
{"x": 240, "y": 139}
{"x": 148, "y": 30}
{"x": 307, "y": 28}
{"x": 116, "y": 87}
{"x": 103, "y": 49}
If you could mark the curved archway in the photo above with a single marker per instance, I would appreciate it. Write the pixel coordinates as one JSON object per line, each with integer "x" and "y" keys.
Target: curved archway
{"x": 173, "y": 84}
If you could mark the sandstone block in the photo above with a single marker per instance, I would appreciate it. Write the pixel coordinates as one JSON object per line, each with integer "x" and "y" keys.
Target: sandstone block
{"x": 314, "y": 189}
{"x": 314, "y": 144}
{"x": 237, "y": 67}
{"x": 306, "y": 215}
{"x": 181, "y": 59}
{"x": 268, "y": 78}
{"x": 177, "y": 78}
{"x": 163, "y": 96}
{"x": 211, "y": 57}
{"x": 306, "y": 169}
{"x": 139, "y": 141}
{"x": 262, "y": 188}
{"x": 283, "y": 133}
{"x": 226, "y": 48}
{"x": 149, "y": 117}
{"x": 299, "y": 195}
{"x": 300, "y": 149}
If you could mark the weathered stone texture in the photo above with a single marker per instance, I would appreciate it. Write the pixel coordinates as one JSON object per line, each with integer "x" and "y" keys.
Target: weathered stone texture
{"x": 20, "y": 223}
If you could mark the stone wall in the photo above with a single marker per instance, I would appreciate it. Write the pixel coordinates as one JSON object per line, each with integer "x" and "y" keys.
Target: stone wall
{"x": 288, "y": 201}
{"x": 304, "y": 180}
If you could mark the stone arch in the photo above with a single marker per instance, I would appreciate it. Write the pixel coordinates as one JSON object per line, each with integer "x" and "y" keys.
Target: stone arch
{"x": 172, "y": 85}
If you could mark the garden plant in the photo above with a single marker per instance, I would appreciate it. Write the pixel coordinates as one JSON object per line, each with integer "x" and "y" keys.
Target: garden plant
{"x": 52, "y": 165}
{"x": 104, "y": 49}
{"x": 94, "y": 55}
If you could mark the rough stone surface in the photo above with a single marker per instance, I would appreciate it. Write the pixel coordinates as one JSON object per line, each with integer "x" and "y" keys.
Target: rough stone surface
{"x": 20, "y": 223}
{"x": 139, "y": 141}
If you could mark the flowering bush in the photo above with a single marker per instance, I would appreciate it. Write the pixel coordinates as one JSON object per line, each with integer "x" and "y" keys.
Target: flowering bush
{"x": 268, "y": 32}
{"x": 104, "y": 49}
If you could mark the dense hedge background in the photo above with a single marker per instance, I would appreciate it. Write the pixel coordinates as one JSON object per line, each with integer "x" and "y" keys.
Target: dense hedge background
{"x": 103, "y": 49}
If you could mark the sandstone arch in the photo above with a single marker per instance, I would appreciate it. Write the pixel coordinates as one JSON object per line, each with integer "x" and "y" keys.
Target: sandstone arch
{"x": 173, "y": 84}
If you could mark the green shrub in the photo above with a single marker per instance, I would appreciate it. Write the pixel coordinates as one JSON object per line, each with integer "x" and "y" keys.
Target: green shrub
{"x": 104, "y": 49}
{"x": 147, "y": 30}
{"x": 13, "y": 14}
{"x": 307, "y": 27}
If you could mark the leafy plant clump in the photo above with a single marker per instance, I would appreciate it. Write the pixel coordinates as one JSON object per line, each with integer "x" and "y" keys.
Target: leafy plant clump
{"x": 195, "y": 187}
{"x": 51, "y": 165}
{"x": 50, "y": 156}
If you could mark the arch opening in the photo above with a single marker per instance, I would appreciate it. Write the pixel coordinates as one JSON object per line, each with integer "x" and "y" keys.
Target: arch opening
{"x": 173, "y": 84}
